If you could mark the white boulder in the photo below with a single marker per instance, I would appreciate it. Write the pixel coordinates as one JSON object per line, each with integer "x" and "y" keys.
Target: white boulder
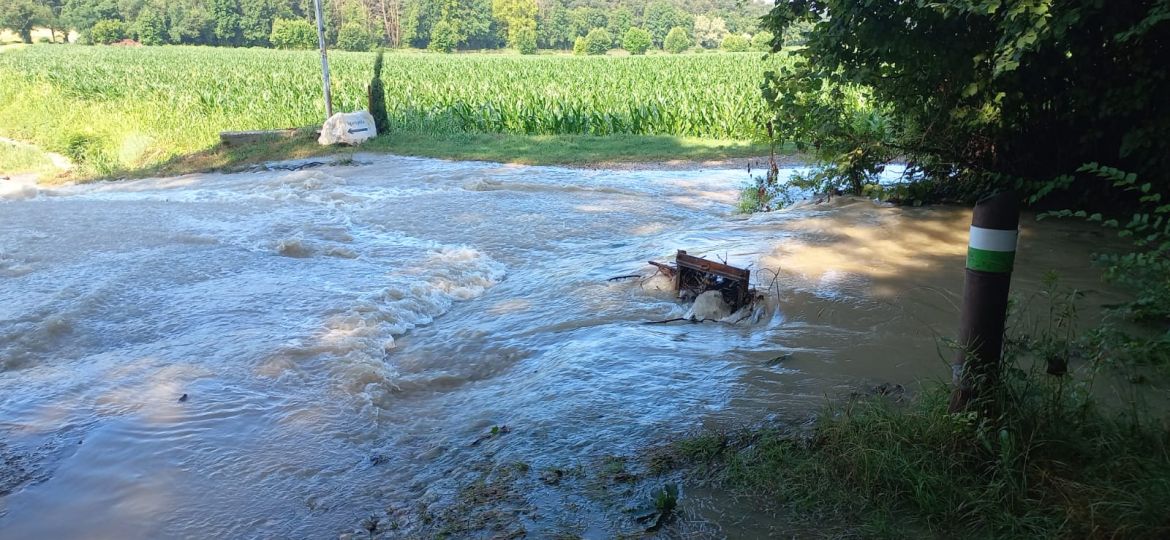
{"x": 709, "y": 306}
{"x": 348, "y": 128}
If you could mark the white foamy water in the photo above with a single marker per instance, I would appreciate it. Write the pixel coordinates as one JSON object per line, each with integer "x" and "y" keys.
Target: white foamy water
{"x": 397, "y": 311}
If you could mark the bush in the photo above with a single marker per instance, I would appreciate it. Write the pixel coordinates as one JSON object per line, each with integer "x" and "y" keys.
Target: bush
{"x": 525, "y": 39}
{"x": 354, "y": 37}
{"x": 107, "y": 31}
{"x": 376, "y": 95}
{"x": 637, "y": 41}
{"x": 579, "y": 46}
{"x": 442, "y": 37}
{"x": 293, "y": 34}
{"x": 598, "y": 41}
{"x": 677, "y": 41}
{"x": 762, "y": 41}
{"x": 735, "y": 43}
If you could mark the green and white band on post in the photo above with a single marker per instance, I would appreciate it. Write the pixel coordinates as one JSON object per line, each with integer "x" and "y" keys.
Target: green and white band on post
{"x": 992, "y": 250}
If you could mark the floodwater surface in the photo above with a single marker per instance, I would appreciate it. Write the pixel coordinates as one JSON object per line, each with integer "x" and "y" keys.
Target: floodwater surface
{"x": 376, "y": 340}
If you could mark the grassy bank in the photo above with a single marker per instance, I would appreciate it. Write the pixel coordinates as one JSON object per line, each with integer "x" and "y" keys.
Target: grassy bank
{"x": 1080, "y": 455}
{"x": 566, "y": 150}
{"x": 876, "y": 468}
{"x": 20, "y": 159}
{"x": 116, "y": 109}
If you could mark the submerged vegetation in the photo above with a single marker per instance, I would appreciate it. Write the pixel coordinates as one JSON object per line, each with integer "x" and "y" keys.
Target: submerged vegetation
{"x": 112, "y": 109}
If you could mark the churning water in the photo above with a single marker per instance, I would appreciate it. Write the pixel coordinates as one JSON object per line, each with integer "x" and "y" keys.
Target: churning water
{"x": 346, "y": 335}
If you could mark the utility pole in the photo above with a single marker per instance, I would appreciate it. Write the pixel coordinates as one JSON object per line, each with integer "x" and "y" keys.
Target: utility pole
{"x": 991, "y": 255}
{"x": 324, "y": 61}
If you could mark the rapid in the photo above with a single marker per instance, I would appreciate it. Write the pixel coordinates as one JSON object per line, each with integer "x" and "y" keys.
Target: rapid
{"x": 361, "y": 340}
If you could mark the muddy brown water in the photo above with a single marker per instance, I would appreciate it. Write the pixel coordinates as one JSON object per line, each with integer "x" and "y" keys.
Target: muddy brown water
{"x": 346, "y": 335}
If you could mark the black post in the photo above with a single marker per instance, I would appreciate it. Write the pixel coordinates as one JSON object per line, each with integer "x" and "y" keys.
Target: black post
{"x": 991, "y": 254}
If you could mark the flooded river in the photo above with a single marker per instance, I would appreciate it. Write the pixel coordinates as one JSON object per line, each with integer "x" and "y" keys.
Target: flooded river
{"x": 348, "y": 339}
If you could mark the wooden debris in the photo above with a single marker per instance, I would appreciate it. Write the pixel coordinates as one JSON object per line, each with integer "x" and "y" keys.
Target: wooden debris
{"x": 666, "y": 269}
{"x": 696, "y": 276}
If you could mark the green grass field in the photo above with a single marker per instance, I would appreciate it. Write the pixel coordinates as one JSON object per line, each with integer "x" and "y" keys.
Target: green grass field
{"x": 113, "y": 109}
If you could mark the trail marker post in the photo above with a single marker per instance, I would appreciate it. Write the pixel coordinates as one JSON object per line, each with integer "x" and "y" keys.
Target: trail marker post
{"x": 991, "y": 253}
{"x": 324, "y": 61}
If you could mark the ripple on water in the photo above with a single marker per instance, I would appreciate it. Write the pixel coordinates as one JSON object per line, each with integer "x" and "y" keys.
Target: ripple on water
{"x": 400, "y": 310}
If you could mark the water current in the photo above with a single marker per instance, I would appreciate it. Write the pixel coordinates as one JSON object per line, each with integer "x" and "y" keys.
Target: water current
{"x": 348, "y": 337}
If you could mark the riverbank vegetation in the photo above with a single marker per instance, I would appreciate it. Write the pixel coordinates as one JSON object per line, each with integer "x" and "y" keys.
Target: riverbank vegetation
{"x": 1063, "y": 105}
{"x": 113, "y": 110}
{"x": 1075, "y": 453}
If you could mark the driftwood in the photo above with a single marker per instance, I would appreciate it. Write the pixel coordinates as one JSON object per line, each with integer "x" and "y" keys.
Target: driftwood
{"x": 696, "y": 276}
{"x": 666, "y": 269}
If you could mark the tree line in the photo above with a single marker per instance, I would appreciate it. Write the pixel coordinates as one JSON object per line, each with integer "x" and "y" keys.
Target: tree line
{"x": 442, "y": 25}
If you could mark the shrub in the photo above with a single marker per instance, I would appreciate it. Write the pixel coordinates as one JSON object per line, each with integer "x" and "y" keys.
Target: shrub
{"x": 293, "y": 34}
{"x": 376, "y": 95}
{"x": 107, "y": 31}
{"x": 598, "y": 41}
{"x": 442, "y": 37}
{"x": 579, "y": 46}
{"x": 637, "y": 41}
{"x": 735, "y": 43}
{"x": 677, "y": 41}
{"x": 762, "y": 41}
{"x": 354, "y": 37}
{"x": 525, "y": 39}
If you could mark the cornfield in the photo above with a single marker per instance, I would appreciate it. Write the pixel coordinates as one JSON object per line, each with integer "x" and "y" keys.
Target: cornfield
{"x": 137, "y": 105}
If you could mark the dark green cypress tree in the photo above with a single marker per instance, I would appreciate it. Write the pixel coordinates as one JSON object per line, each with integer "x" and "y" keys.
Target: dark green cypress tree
{"x": 377, "y": 97}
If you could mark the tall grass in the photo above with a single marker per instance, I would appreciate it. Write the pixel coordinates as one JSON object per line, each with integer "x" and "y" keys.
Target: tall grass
{"x": 110, "y": 107}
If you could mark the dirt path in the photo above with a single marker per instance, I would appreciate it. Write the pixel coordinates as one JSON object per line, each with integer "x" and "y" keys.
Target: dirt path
{"x": 59, "y": 161}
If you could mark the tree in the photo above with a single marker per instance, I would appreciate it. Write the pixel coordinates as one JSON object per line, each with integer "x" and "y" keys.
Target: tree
{"x": 637, "y": 41}
{"x": 580, "y": 46}
{"x": 256, "y": 18}
{"x": 416, "y": 29}
{"x": 735, "y": 43}
{"x": 151, "y": 27}
{"x": 518, "y": 18}
{"x": 762, "y": 41}
{"x": 553, "y": 27}
{"x": 52, "y": 19}
{"x": 353, "y": 36}
{"x": 189, "y": 22}
{"x": 467, "y": 21}
{"x": 677, "y": 40}
{"x": 620, "y": 22}
{"x": 108, "y": 31}
{"x": 661, "y": 16}
{"x": 443, "y": 38}
{"x": 525, "y": 39}
{"x": 584, "y": 19}
{"x": 22, "y": 15}
{"x": 83, "y": 14}
{"x": 709, "y": 31}
{"x": 293, "y": 34}
{"x": 226, "y": 14}
{"x": 981, "y": 95}
{"x": 598, "y": 41}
